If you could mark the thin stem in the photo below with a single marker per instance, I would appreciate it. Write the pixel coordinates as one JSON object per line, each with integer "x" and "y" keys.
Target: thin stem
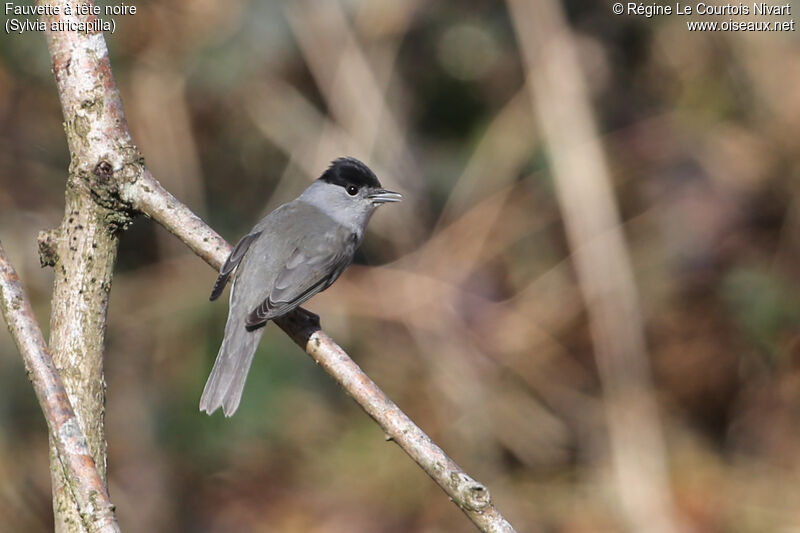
{"x": 83, "y": 480}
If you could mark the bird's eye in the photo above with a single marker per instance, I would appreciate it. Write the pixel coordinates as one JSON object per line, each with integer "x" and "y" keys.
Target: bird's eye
{"x": 352, "y": 190}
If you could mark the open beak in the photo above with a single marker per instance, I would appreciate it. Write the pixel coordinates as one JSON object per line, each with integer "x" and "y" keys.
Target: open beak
{"x": 382, "y": 196}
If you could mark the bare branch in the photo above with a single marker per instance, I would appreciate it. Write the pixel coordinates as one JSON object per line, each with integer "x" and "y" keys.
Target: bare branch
{"x": 84, "y": 481}
{"x": 148, "y": 197}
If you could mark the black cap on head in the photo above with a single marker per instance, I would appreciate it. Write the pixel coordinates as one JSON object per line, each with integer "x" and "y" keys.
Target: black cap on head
{"x": 347, "y": 171}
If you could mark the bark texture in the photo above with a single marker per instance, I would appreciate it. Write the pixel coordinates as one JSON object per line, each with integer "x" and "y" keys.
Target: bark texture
{"x": 83, "y": 248}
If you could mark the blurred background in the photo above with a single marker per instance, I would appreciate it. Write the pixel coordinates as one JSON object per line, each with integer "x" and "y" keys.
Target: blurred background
{"x": 589, "y": 297}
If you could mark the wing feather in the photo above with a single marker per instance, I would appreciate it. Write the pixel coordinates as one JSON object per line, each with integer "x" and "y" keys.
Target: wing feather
{"x": 232, "y": 262}
{"x": 311, "y": 268}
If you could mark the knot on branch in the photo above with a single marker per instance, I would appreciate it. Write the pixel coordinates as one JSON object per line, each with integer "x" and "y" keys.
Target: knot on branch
{"x": 105, "y": 180}
{"x": 104, "y": 170}
{"x": 472, "y": 495}
{"x": 48, "y": 254}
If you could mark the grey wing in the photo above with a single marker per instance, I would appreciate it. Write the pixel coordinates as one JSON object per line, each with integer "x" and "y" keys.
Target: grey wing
{"x": 230, "y": 264}
{"x": 311, "y": 268}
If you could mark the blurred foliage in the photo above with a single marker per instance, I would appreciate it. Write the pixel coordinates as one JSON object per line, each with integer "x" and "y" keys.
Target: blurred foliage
{"x": 474, "y": 323}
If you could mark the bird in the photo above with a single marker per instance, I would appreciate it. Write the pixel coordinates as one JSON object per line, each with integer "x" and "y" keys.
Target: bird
{"x": 295, "y": 252}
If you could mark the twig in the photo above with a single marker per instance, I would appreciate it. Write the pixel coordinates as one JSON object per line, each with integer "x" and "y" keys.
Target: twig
{"x": 147, "y": 196}
{"x": 84, "y": 481}
{"x": 120, "y": 184}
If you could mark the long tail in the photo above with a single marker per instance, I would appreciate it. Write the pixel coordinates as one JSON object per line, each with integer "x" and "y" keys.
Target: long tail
{"x": 226, "y": 383}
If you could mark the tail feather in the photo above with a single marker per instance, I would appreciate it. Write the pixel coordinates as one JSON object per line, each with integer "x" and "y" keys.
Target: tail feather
{"x": 226, "y": 382}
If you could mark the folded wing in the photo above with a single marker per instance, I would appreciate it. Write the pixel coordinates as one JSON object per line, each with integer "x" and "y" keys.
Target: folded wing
{"x": 312, "y": 267}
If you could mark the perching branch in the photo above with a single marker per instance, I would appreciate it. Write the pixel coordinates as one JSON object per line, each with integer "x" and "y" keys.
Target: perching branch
{"x": 107, "y": 168}
{"x": 83, "y": 480}
{"x": 151, "y": 199}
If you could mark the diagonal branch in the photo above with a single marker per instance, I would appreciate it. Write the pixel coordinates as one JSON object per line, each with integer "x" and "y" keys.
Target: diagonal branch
{"x": 83, "y": 479}
{"x": 472, "y": 497}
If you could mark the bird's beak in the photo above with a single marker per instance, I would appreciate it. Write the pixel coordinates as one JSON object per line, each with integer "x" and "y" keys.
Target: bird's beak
{"x": 382, "y": 196}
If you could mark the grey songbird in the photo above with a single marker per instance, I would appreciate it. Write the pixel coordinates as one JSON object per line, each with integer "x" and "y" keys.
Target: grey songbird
{"x": 295, "y": 252}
